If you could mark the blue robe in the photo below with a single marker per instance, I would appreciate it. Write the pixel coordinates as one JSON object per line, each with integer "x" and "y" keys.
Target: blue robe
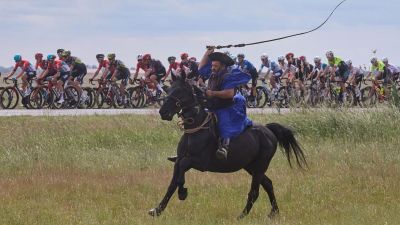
{"x": 232, "y": 120}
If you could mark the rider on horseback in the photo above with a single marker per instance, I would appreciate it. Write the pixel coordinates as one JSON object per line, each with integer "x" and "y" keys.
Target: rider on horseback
{"x": 228, "y": 105}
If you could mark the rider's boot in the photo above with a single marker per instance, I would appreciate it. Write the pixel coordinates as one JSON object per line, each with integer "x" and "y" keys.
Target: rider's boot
{"x": 222, "y": 152}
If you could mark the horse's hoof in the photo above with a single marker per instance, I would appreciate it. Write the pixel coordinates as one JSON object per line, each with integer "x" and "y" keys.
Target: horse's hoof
{"x": 182, "y": 194}
{"x": 155, "y": 212}
{"x": 242, "y": 216}
{"x": 273, "y": 214}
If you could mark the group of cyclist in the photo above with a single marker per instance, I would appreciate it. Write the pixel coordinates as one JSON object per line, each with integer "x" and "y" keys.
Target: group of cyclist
{"x": 64, "y": 69}
{"x": 337, "y": 70}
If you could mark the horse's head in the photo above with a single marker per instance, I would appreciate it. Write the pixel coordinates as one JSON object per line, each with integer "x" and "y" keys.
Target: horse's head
{"x": 181, "y": 96}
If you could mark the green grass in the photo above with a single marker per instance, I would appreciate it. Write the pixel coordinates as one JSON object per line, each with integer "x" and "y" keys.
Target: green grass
{"x": 112, "y": 170}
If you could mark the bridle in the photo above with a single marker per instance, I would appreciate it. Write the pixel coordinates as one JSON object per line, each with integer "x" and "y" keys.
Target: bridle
{"x": 189, "y": 120}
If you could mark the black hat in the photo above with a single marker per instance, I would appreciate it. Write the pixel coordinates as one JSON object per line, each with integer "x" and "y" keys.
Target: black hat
{"x": 221, "y": 57}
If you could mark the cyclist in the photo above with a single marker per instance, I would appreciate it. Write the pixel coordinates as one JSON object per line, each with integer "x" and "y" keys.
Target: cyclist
{"x": 118, "y": 71}
{"x": 188, "y": 68}
{"x": 59, "y": 53}
{"x": 173, "y": 67}
{"x": 248, "y": 68}
{"x": 40, "y": 62}
{"x": 339, "y": 69}
{"x": 318, "y": 72}
{"x": 58, "y": 73}
{"x": 78, "y": 68}
{"x": 391, "y": 72}
{"x": 78, "y": 72}
{"x": 27, "y": 73}
{"x": 378, "y": 73}
{"x": 155, "y": 71}
{"x": 355, "y": 77}
{"x": 103, "y": 64}
{"x": 140, "y": 65}
{"x": 273, "y": 67}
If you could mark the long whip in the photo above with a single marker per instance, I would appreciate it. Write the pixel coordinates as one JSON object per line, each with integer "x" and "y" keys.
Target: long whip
{"x": 280, "y": 38}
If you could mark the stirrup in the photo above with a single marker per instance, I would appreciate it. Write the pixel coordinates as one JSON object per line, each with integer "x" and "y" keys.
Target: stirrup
{"x": 222, "y": 153}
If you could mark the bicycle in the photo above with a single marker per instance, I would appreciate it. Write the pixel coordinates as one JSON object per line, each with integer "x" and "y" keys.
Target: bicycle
{"x": 111, "y": 96}
{"x": 10, "y": 95}
{"x": 48, "y": 96}
{"x": 145, "y": 94}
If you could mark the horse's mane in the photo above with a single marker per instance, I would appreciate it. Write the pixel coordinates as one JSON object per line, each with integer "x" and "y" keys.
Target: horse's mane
{"x": 199, "y": 94}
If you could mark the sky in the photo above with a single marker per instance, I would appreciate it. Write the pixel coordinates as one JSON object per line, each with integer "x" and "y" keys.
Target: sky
{"x": 170, "y": 27}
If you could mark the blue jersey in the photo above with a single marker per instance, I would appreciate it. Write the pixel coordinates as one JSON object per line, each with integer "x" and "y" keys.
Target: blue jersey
{"x": 246, "y": 67}
{"x": 273, "y": 66}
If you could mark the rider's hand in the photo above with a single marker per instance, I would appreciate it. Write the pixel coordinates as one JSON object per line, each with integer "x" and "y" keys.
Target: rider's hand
{"x": 209, "y": 93}
{"x": 14, "y": 79}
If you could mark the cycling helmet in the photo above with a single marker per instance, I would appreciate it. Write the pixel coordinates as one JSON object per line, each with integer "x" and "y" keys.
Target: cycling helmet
{"x": 100, "y": 56}
{"x": 264, "y": 56}
{"x": 193, "y": 59}
{"x": 374, "y": 60}
{"x": 17, "y": 58}
{"x": 317, "y": 59}
{"x": 184, "y": 56}
{"x": 385, "y": 60}
{"x": 51, "y": 57}
{"x": 60, "y": 50}
{"x": 66, "y": 54}
{"x": 281, "y": 58}
{"x": 349, "y": 62}
{"x": 111, "y": 56}
{"x": 38, "y": 56}
{"x": 139, "y": 57}
{"x": 302, "y": 58}
{"x": 240, "y": 55}
{"x": 289, "y": 55}
{"x": 147, "y": 57}
{"x": 329, "y": 54}
{"x": 171, "y": 58}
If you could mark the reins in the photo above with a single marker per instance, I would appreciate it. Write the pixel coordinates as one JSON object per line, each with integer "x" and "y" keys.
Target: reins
{"x": 202, "y": 126}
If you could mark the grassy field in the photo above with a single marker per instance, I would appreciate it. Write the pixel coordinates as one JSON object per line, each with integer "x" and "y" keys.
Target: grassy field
{"x": 112, "y": 170}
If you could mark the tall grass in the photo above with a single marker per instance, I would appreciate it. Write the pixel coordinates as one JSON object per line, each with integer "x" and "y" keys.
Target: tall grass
{"x": 111, "y": 170}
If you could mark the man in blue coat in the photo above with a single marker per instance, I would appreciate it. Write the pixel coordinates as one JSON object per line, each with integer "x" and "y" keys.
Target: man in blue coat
{"x": 228, "y": 104}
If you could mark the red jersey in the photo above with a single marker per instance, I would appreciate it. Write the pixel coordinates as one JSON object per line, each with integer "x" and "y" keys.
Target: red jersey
{"x": 25, "y": 65}
{"x": 104, "y": 64}
{"x": 42, "y": 64}
{"x": 58, "y": 66}
{"x": 174, "y": 66}
{"x": 139, "y": 66}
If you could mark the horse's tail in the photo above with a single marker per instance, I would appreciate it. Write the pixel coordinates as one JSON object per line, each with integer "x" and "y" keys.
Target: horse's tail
{"x": 288, "y": 142}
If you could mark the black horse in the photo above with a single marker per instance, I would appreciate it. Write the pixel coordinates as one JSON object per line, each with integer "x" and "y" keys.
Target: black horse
{"x": 252, "y": 150}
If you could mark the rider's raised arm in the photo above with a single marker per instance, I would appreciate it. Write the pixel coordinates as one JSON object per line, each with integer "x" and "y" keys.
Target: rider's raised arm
{"x": 204, "y": 61}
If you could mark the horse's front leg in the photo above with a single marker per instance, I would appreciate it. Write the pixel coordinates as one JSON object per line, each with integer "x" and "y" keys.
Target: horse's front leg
{"x": 171, "y": 190}
{"x": 184, "y": 166}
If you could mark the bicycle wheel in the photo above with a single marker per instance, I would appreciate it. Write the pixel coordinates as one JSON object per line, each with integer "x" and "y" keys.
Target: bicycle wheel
{"x": 72, "y": 97}
{"x": 9, "y": 98}
{"x": 283, "y": 98}
{"x": 348, "y": 98}
{"x": 87, "y": 98}
{"x": 368, "y": 97}
{"x": 161, "y": 99}
{"x": 36, "y": 98}
{"x": 261, "y": 97}
{"x": 102, "y": 100}
{"x": 121, "y": 100}
{"x": 136, "y": 97}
